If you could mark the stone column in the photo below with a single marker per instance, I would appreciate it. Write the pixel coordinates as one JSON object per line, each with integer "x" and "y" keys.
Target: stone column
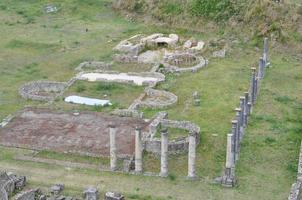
{"x": 265, "y": 51}
{"x": 243, "y": 111}
{"x": 192, "y": 156}
{"x": 229, "y": 180}
{"x": 261, "y": 68}
{"x": 236, "y": 140}
{"x": 164, "y": 153}
{"x": 249, "y": 104}
{"x": 138, "y": 151}
{"x": 253, "y": 86}
{"x": 113, "y": 150}
{"x": 230, "y": 152}
{"x": 247, "y": 112}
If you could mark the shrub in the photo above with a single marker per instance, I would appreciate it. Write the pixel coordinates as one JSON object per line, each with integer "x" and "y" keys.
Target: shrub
{"x": 172, "y": 8}
{"x": 213, "y": 9}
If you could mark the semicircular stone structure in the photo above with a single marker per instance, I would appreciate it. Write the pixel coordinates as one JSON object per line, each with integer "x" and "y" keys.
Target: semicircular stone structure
{"x": 154, "y": 99}
{"x": 42, "y": 90}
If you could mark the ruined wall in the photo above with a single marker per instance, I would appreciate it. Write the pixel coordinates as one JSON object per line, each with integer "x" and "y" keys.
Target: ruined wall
{"x": 176, "y": 146}
{"x": 42, "y": 90}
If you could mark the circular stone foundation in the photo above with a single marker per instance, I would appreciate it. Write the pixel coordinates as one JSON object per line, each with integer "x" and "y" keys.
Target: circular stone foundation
{"x": 42, "y": 90}
{"x": 183, "y": 62}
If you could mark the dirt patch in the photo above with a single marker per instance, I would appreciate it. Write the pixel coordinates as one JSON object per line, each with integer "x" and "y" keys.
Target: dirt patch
{"x": 84, "y": 133}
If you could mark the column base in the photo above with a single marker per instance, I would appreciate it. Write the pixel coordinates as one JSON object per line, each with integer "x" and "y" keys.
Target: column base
{"x": 228, "y": 181}
{"x": 192, "y": 178}
{"x": 164, "y": 175}
{"x": 138, "y": 172}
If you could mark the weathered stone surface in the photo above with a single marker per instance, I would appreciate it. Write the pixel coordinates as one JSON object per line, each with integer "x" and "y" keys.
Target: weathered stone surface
{"x": 91, "y": 65}
{"x": 91, "y": 193}
{"x": 295, "y": 193}
{"x": 57, "y": 189}
{"x": 150, "y": 57}
{"x": 188, "y": 44}
{"x": 219, "y": 54}
{"x": 178, "y": 145}
{"x": 155, "y": 99}
{"x": 128, "y": 164}
{"x": 27, "y": 195}
{"x": 50, "y": 9}
{"x": 42, "y": 90}
{"x": 164, "y": 153}
{"x": 113, "y": 196}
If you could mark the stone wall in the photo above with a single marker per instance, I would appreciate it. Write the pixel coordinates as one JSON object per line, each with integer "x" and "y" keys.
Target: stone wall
{"x": 9, "y": 183}
{"x": 128, "y": 113}
{"x": 296, "y": 190}
{"x": 42, "y": 90}
{"x": 181, "y": 144}
{"x": 93, "y": 65}
{"x": 27, "y": 195}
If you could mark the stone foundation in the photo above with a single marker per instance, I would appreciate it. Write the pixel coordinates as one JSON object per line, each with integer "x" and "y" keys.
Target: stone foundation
{"x": 42, "y": 90}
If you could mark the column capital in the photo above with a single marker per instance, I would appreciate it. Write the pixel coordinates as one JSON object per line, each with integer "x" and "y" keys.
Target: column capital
{"x": 234, "y": 121}
{"x": 238, "y": 109}
{"x": 111, "y": 125}
{"x": 164, "y": 131}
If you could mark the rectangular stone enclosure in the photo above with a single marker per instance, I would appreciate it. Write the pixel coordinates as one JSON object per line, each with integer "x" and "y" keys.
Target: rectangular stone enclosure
{"x": 84, "y": 133}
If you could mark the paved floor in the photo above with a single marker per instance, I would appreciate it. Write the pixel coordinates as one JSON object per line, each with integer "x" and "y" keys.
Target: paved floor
{"x": 86, "y": 133}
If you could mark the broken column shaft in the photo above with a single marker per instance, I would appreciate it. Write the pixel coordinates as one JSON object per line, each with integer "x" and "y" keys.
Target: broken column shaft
{"x": 192, "y": 155}
{"x": 138, "y": 151}
{"x": 113, "y": 150}
{"x": 253, "y": 86}
{"x": 164, "y": 153}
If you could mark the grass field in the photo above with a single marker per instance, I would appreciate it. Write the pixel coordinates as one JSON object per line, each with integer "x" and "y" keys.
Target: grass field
{"x": 35, "y": 45}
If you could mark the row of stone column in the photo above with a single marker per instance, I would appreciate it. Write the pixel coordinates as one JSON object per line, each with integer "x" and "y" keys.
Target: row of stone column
{"x": 241, "y": 121}
{"x": 164, "y": 171}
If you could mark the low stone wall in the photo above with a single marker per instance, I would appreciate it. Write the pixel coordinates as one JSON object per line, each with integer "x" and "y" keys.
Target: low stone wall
{"x": 296, "y": 190}
{"x": 27, "y": 195}
{"x": 127, "y": 113}
{"x": 42, "y": 90}
{"x": 170, "y": 68}
{"x": 174, "y": 147}
{"x": 152, "y": 98}
{"x": 93, "y": 65}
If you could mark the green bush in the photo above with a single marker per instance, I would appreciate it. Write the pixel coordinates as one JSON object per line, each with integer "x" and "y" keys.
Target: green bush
{"x": 213, "y": 9}
{"x": 172, "y": 8}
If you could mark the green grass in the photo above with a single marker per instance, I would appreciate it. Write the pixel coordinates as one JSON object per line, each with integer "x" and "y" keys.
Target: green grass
{"x": 72, "y": 158}
{"x": 120, "y": 95}
{"x": 54, "y": 45}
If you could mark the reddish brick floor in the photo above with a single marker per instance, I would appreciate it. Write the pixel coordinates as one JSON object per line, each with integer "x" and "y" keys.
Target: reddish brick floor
{"x": 86, "y": 133}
